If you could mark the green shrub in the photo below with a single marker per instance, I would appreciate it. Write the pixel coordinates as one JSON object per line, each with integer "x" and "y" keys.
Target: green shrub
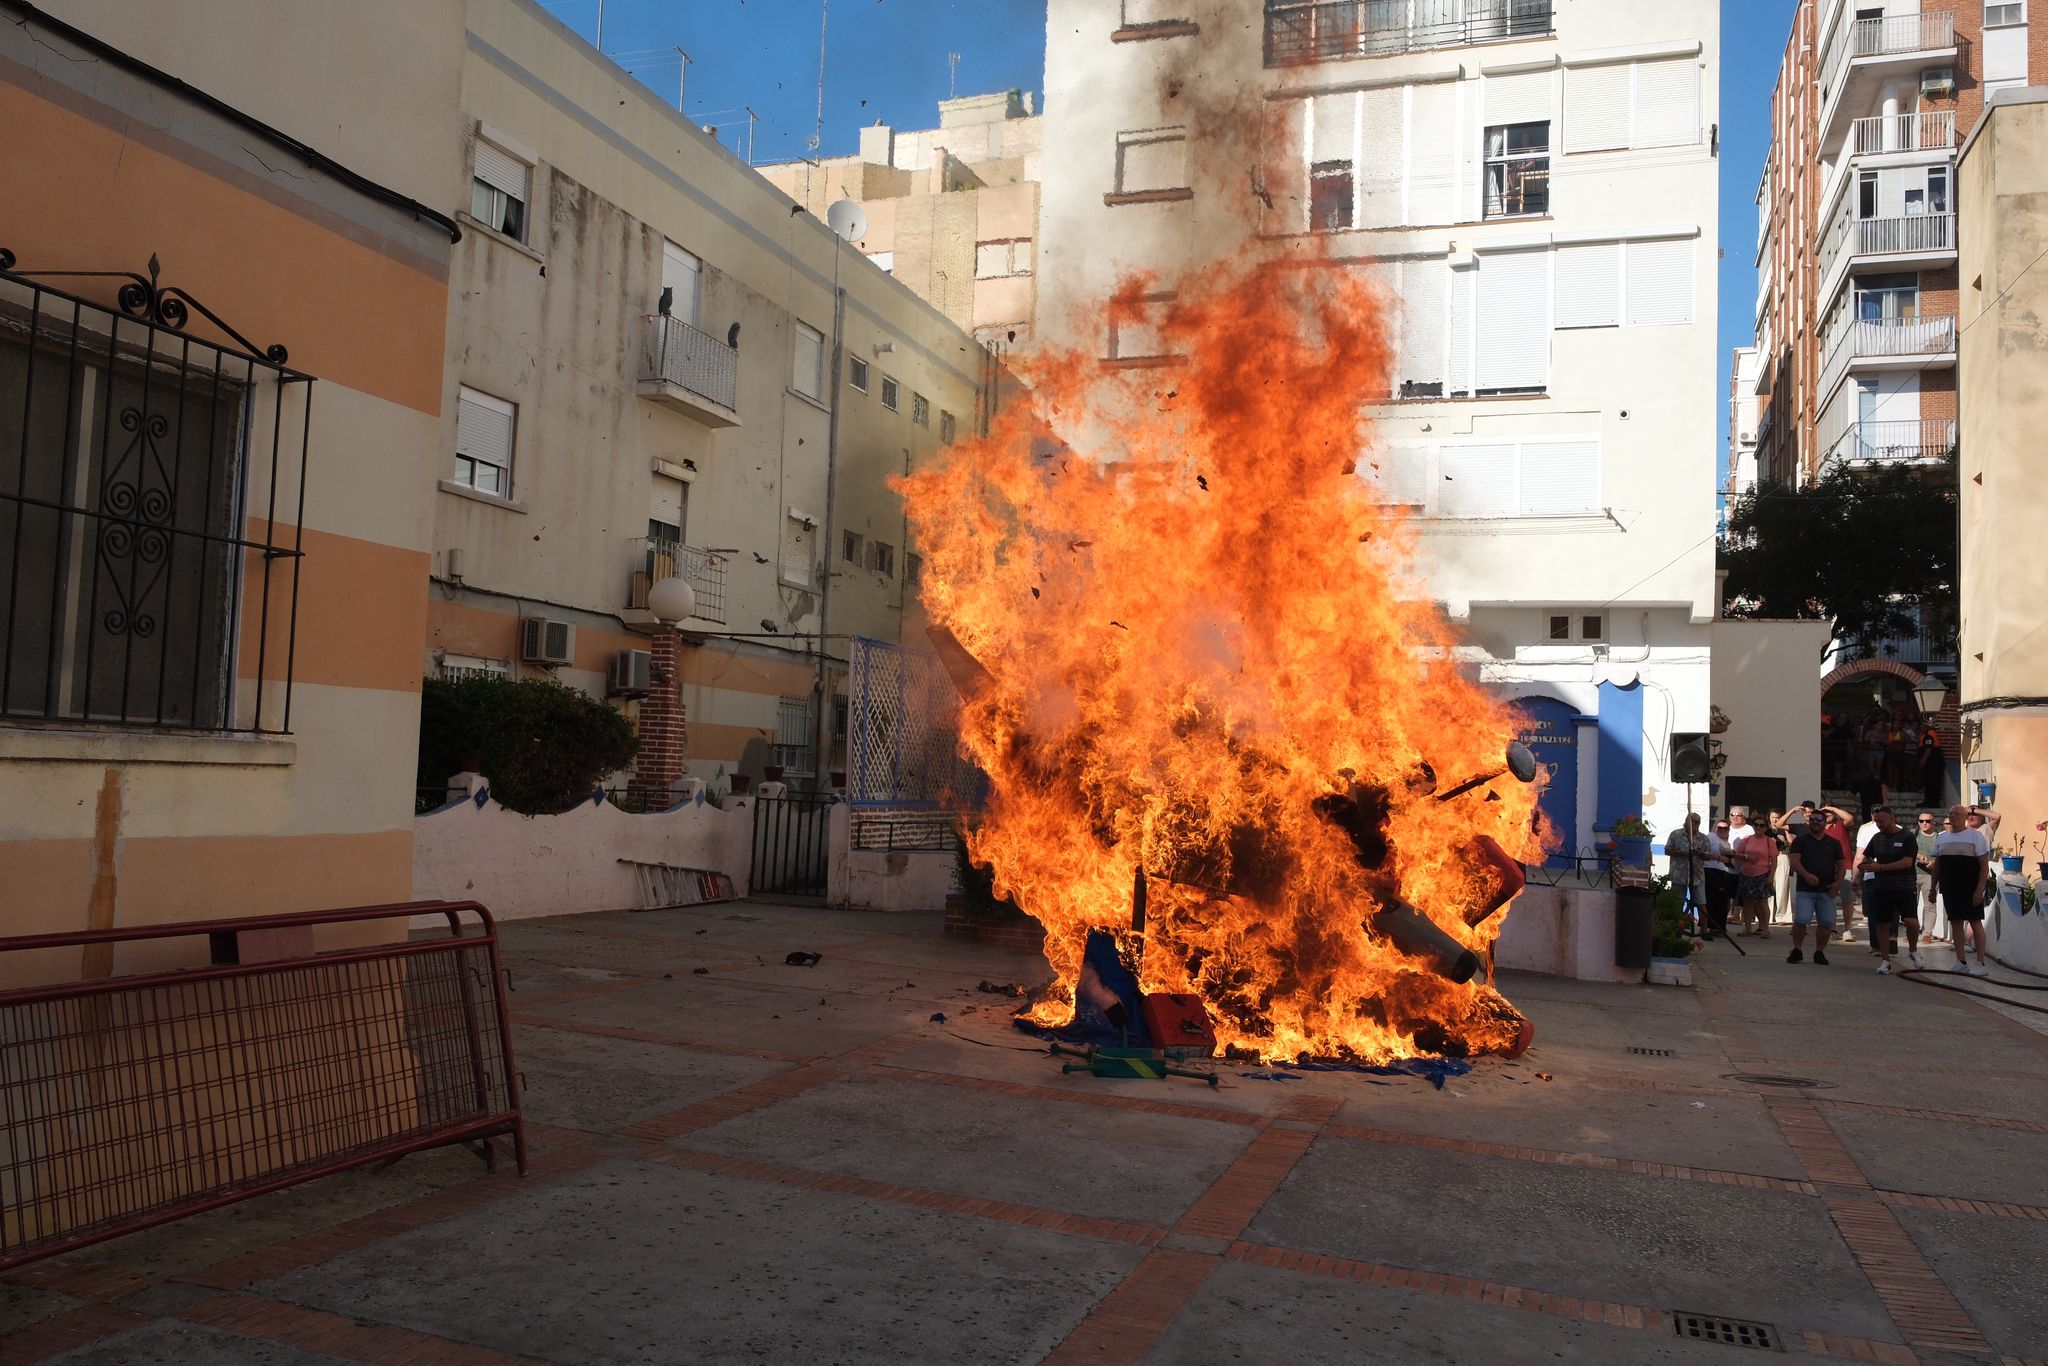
{"x": 543, "y": 746}
{"x": 1670, "y": 930}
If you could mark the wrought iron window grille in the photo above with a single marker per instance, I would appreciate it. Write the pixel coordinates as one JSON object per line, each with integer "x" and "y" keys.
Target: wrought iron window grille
{"x": 146, "y": 580}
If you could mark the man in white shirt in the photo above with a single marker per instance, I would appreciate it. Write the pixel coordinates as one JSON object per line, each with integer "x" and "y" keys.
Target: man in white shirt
{"x": 1720, "y": 878}
{"x": 1962, "y": 870}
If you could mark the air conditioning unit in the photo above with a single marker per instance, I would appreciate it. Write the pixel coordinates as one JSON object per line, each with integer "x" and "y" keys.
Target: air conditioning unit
{"x": 1939, "y": 82}
{"x": 543, "y": 640}
{"x": 632, "y": 673}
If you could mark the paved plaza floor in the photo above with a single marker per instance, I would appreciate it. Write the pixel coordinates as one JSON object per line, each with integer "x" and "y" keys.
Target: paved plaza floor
{"x": 738, "y": 1160}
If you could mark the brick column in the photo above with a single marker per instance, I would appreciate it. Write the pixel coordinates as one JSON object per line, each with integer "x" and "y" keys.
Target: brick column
{"x": 663, "y": 729}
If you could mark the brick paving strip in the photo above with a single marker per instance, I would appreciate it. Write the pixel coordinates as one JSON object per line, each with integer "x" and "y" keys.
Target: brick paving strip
{"x": 65, "y": 1332}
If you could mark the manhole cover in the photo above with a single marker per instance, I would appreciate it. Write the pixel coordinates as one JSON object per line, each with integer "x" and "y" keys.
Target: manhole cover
{"x": 1789, "y": 1083}
{"x": 1653, "y": 1052}
{"x": 1734, "y": 1332}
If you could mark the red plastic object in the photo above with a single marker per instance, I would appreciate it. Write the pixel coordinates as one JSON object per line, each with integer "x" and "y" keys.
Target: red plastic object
{"x": 1508, "y": 879}
{"x": 1177, "y": 1020}
{"x": 1524, "y": 1036}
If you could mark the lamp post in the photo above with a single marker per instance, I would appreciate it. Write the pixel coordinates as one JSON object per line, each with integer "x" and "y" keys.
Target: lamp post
{"x": 662, "y": 730}
{"x": 1931, "y": 696}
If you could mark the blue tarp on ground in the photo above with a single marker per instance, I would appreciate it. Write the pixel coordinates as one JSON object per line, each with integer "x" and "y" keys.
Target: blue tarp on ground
{"x": 1107, "y": 985}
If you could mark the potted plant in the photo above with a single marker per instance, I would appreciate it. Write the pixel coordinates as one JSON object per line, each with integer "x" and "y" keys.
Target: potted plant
{"x": 2041, "y": 851}
{"x": 1632, "y": 836}
{"x": 772, "y": 773}
{"x": 1719, "y": 721}
{"x": 1671, "y": 939}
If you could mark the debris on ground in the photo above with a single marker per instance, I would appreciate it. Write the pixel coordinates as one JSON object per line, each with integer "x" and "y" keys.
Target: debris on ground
{"x": 1543, "y": 1076}
{"x": 1002, "y": 989}
{"x": 701, "y": 972}
{"x": 938, "y": 1017}
{"x": 801, "y": 959}
{"x": 1269, "y": 1076}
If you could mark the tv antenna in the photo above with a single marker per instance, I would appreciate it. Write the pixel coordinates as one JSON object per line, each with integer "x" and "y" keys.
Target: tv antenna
{"x": 952, "y": 75}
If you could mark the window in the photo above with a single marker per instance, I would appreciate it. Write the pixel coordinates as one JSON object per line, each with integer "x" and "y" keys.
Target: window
{"x": 1560, "y": 627}
{"x": 913, "y": 569}
{"x": 882, "y": 559}
{"x": 948, "y": 428}
{"x": 484, "y": 428}
{"x": 1660, "y": 282}
{"x": 793, "y": 734}
{"x": 1331, "y": 196}
{"x": 884, "y": 261}
{"x": 995, "y": 260}
{"x": 857, "y": 373}
{"x": 682, "y": 285}
{"x": 1512, "y": 335}
{"x": 2000, "y": 15}
{"x": 851, "y": 545}
{"x": 1517, "y": 169}
{"x": 799, "y": 549}
{"x": 1592, "y": 628}
{"x": 1589, "y": 285}
{"x": 1140, "y": 337}
{"x": 1537, "y": 477}
{"x": 1887, "y": 297}
{"x": 892, "y": 394}
{"x": 498, "y": 190}
{"x": 1618, "y": 105}
{"x": 455, "y": 668}
{"x": 807, "y": 363}
{"x": 1151, "y": 161}
{"x": 920, "y": 410}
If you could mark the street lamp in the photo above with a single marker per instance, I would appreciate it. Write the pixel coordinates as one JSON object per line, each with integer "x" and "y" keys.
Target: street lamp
{"x": 1931, "y": 696}
{"x": 673, "y": 600}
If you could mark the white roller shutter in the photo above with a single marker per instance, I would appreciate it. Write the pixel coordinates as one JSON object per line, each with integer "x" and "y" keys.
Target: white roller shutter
{"x": 1433, "y": 130}
{"x": 683, "y": 275}
{"x": 500, "y": 170}
{"x": 1397, "y": 476}
{"x": 1423, "y": 318}
{"x": 1660, "y": 283}
{"x": 1382, "y": 136}
{"x": 2005, "y": 54}
{"x": 1476, "y": 480}
{"x": 1589, "y": 285}
{"x": 1523, "y": 97}
{"x": 1513, "y": 333}
{"x": 1560, "y": 477}
{"x": 1461, "y": 330}
{"x": 1596, "y": 107}
{"x": 1667, "y": 103}
{"x": 483, "y": 427}
{"x": 1333, "y": 121}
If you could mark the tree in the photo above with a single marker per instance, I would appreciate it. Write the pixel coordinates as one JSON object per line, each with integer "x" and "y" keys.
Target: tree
{"x": 1872, "y": 551}
{"x": 543, "y": 746}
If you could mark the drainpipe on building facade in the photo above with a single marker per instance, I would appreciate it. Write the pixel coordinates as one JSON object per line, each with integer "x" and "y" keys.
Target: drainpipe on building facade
{"x": 822, "y": 690}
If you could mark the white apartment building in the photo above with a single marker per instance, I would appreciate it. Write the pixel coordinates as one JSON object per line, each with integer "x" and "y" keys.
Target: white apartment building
{"x": 1537, "y": 184}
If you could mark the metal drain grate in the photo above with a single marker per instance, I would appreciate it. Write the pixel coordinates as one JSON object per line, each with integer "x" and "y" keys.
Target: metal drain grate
{"x": 1791, "y": 1083}
{"x": 1654, "y": 1052}
{"x": 1733, "y": 1332}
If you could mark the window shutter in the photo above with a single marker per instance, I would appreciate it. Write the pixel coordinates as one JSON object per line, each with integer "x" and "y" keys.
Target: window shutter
{"x": 1514, "y": 320}
{"x": 1401, "y": 478}
{"x": 1596, "y": 107}
{"x": 1379, "y": 158}
{"x": 1152, "y": 160}
{"x": 807, "y": 362}
{"x": 799, "y": 543}
{"x": 683, "y": 274}
{"x": 1523, "y": 97}
{"x": 1660, "y": 283}
{"x": 500, "y": 170}
{"x": 483, "y": 427}
{"x": 1589, "y": 285}
{"x": 1422, "y": 322}
{"x": 1476, "y": 480}
{"x": 1333, "y": 123}
{"x": 1560, "y": 477}
{"x": 1667, "y": 105}
{"x": 1432, "y": 152}
{"x": 1461, "y": 329}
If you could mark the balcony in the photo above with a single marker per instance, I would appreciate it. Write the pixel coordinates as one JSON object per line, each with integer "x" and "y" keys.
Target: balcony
{"x": 655, "y": 559}
{"x": 1908, "y": 441}
{"x": 1864, "y": 52}
{"x": 690, "y": 371}
{"x": 1935, "y": 132}
{"x": 1915, "y": 239}
{"x": 1299, "y": 32}
{"x": 1885, "y": 343}
{"x": 1929, "y": 648}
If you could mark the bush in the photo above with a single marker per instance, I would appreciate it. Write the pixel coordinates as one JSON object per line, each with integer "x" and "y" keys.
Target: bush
{"x": 544, "y": 746}
{"x": 1670, "y": 929}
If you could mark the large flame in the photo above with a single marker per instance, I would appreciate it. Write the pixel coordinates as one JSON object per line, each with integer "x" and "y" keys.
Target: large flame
{"x": 1195, "y": 621}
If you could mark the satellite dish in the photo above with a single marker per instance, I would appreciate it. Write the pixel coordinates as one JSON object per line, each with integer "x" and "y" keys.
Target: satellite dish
{"x": 847, "y": 219}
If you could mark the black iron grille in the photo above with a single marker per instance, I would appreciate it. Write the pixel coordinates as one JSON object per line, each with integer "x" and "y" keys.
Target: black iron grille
{"x": 1733, "y": 1332}
{"x": 1654, "y": 1052}
{"x": 152, "y": 485}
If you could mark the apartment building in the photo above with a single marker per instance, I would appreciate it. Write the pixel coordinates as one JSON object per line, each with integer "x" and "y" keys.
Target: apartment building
{"x": 1537, "y": 185}
{"x": 1746, "y": 417}
{"x": 658, "y": 366}
{"x": 952, "y": 211}
{"x": 223, "y": 289}
{"x": 1857, "y": 224}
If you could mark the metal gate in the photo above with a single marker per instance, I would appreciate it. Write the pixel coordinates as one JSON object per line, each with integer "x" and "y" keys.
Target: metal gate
{"x": 789, "y": 844}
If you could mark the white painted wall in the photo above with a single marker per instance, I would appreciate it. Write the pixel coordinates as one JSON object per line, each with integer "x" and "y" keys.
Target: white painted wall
{"x": 883, "y": 880}
{"x": 2019, "y": 941}
{"x": 1766, "y": 676}
{"x": 1562, "y": 932}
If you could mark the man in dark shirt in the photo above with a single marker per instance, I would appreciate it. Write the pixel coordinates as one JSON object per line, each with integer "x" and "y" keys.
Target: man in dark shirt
{"x": 1890, "y": 895}
{"x": 1816, "y": 874}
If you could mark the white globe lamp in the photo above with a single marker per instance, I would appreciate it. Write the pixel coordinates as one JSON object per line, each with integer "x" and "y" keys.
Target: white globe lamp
{"x": 671, "y": 601}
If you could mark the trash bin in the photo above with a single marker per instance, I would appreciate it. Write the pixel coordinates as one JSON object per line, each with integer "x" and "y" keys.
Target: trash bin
{"x": 1632, "y": 926}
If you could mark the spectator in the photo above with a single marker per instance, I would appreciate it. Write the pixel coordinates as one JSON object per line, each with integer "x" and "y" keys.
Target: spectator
{"x": 1895, "y": 739}
{"x": 1720, "y": 879}
{"x": 1932, "y": 766}
{"x": 1839, "y": 826}
{"x": 1870, "y": 791}
{"x": 1962, "y": 871}
{"x": 1888, "y": 892}
{"x": 1756, "y": 855}
{"x": 1985, "y": 819}
{"x": 1781, "y": 868}
{"x": 1817, "y": 873}
{"x": 1933, "y": 923}
{"x": 1688, "y": 850}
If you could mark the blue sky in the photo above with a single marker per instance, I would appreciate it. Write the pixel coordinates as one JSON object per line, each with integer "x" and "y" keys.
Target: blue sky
{"x": 887, "y": 59}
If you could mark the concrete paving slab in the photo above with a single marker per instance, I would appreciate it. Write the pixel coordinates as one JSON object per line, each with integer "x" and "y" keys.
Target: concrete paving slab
{"x": 1937, "y": 1157}
{"x": 1589, "y": 1026}
{"x": 1255, "y": 1314}
{"x": 1084, "y": 1159}
{"x": 1995, "y": 1267}
{"x": 602, "y": 1085}
{"x": 1520, "y": 986}
{"x": 810, "y": 1022}
{"x": 24, "y": 1305}
{"x": 169, "y": 1343}
{"x": 1003, "y": 1061}
{"x": 1714, "y": 1249}
{"x": 645, "y": 1263}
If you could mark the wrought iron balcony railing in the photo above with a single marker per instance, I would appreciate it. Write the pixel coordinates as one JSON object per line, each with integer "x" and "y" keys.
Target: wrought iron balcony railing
{"x": 679, "y": 354}
{"x": 1303, "y": 31}
{"x": 704, "y": 570}
{"x": 1894, "y": 35}
{"x": 1902, "y": 441}
{"x": 1932, "y": 335}
{"x": 1903, "y": 133}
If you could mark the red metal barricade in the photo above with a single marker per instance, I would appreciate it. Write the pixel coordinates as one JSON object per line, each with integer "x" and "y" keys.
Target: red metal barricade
{"x": 130, "y": 1101}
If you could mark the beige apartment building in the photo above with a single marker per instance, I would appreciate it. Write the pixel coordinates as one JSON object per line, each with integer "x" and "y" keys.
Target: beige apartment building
{"x": 952, "y": 211}
{"x": 658, "y": 366}
{"x": 1857, "y": 225}
{"x": 2004, "y": 648}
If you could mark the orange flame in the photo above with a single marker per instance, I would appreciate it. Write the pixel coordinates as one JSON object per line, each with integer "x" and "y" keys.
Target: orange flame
{"x": 1195, "y": 621}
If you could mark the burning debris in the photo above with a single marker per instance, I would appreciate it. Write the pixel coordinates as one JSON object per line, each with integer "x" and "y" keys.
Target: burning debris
{"x": 1229, "y": 690}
